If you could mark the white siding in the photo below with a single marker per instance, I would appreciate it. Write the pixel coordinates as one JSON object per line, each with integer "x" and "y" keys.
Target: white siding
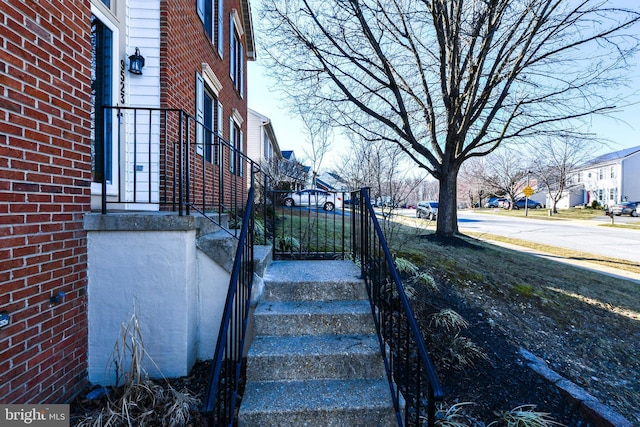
{"x": 254, "y": 137}
{"x": 142, "y": 163}
{"x": 631, "y": 177}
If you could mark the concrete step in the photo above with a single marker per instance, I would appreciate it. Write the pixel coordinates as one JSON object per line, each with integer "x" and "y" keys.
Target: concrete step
{"x": 313, "y": 318}
{"x": 321, "y": 403}
{"x": 313, "y": 280}
{"x": 314, "y": 357}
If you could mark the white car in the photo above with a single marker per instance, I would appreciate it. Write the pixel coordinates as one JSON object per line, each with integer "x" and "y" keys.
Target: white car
{"x": 427, "y": 209}
{"x": 314, "y": 197}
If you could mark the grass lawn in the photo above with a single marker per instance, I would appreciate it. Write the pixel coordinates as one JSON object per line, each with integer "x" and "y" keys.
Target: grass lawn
{"x": 584, "y": 324}
{"x": 572, "y": 213}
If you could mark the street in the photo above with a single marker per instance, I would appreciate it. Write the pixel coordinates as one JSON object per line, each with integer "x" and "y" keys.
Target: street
{"x": 584, "y": 236}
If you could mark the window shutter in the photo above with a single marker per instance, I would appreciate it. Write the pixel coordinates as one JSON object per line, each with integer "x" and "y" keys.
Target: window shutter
{"x": 220, "y": 19}
{"x": 232, "y": 155}
{"x": 232, "y": 48}
{"x": 200, "y": 9}
{"x": 241, "y": 73}
{"x": 240, "y": 158}
{"x": 199, "y": 114}
{"x": 220, "y": 131}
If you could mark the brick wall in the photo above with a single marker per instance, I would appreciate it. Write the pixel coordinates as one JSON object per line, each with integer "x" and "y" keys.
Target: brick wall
{"x": 45, "y": 175}
{"x": 185, "y": 46}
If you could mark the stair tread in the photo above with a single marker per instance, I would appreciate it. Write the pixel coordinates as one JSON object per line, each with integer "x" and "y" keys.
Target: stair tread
{"x": 319, "y": 395}
{"x": 312, "y": 307}
{"x": 312, "y": 272}
{"x": 314, "y": 345}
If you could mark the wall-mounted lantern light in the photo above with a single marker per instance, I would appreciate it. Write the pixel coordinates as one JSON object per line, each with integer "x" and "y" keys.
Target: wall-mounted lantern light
{"x": 136, "y": 62}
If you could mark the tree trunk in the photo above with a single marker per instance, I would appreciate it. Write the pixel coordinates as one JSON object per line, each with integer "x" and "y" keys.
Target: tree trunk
{"x": 447, "y": 221}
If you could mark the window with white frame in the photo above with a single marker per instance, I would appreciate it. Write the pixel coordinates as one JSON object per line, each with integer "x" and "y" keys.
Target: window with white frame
{"x": 211, "y": 13}
{"x": 209, "y": 119}
{"x": 613, "y": 173}
{"x": 236, "y": 140}
{"x": 236, "y": 52}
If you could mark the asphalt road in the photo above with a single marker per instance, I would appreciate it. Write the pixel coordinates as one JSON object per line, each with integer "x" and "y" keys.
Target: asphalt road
{"x": 585, "y": 236}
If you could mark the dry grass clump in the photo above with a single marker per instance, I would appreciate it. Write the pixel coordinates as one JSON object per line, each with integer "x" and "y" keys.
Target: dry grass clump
{"x": 139, "y": 400}
{"x": 521, "y": 416}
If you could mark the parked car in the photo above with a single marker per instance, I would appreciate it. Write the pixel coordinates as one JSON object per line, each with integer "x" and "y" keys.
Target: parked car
{"x": 504, "y": 203}
{"x": 427, "y": 209}
{"x": 494, "y": 202}
{"x": 314, "y": 197}
{"x": 532, "y": 204}
{"x": 625, "y": 208}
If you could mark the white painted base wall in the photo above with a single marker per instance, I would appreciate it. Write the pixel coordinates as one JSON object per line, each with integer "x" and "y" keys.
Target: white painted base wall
{"x": 176, "y": 292}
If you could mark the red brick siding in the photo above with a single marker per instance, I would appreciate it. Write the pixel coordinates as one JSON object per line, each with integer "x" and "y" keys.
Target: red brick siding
{"x": 45, "y": 176}
{"x": 185, "y": 46}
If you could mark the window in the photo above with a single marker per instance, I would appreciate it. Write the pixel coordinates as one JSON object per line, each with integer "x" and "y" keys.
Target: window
{"x": 102, "y": 57}
{"x": 236, "y": 165}
{"x": 600, "y": 195}
{"x": 209, "y": 119}
{"x": 236, "y": 53}
{"x": 613, "y": 174}
{"x": 268, "y": 150}
{"x": 600, "y": 173}
{"x": 211, "y": 13}
{"x": 611, "y": 194}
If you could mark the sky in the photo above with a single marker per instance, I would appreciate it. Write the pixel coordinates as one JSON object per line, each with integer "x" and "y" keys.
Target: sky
{"x": 621, "y": 130}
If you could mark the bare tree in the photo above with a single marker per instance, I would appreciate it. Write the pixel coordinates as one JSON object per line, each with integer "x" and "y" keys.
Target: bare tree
{"x": 319, "y": 136}
{"x": 505, "y": 172}
{"x": 448, "y": 80}
{"x": 472, "y": 183}
{"x": 553, "y": 160}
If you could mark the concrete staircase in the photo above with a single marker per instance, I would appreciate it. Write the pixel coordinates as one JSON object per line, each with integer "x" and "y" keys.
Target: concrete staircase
{"x": 315, "y": 358}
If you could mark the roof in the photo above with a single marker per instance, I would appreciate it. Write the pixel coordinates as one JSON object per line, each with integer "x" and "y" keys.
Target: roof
{"x": 611, "y": 157}
{"x": 248, "y": 29}
{"x": 287, "y": 154}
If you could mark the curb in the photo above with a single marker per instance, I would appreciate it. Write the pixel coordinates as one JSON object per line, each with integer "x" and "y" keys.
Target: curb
{"x": 591, "y": 408}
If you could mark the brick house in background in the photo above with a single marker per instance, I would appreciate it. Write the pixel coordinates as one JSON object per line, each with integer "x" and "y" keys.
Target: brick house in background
{"x": 61, "y": 62}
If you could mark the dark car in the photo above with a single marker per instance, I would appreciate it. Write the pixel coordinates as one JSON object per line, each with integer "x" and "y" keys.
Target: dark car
{"x": 624, "y": 208}
{"x": 532, "y": 204}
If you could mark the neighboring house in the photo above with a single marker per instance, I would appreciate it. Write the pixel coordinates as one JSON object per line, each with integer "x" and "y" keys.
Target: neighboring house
{"x": 292, "y": 175}
{"x": 70, "y": 278}
{"x": 262, "y": 144}
{"x": 331, "y": 181}
{"x": 607, "y": 179}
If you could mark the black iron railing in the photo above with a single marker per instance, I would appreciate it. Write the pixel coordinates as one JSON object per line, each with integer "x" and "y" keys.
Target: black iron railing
{"x": 412, "y": 378}
{"x": 221, "y": 396}
{"x": 309, "y": 224}
{"x": 164, "y": 159}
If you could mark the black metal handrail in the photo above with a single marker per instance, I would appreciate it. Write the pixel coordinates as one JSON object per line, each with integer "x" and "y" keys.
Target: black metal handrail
{"x": 221, "y": 395}
{"x": 167, "y": 160}
{"x": 412, "y": 376}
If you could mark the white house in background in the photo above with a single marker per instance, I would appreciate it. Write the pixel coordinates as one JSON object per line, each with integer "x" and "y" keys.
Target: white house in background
{"x": 262, "y": 144}
{"x": 331, "y": 182}
{"x": 608, "y": 179}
